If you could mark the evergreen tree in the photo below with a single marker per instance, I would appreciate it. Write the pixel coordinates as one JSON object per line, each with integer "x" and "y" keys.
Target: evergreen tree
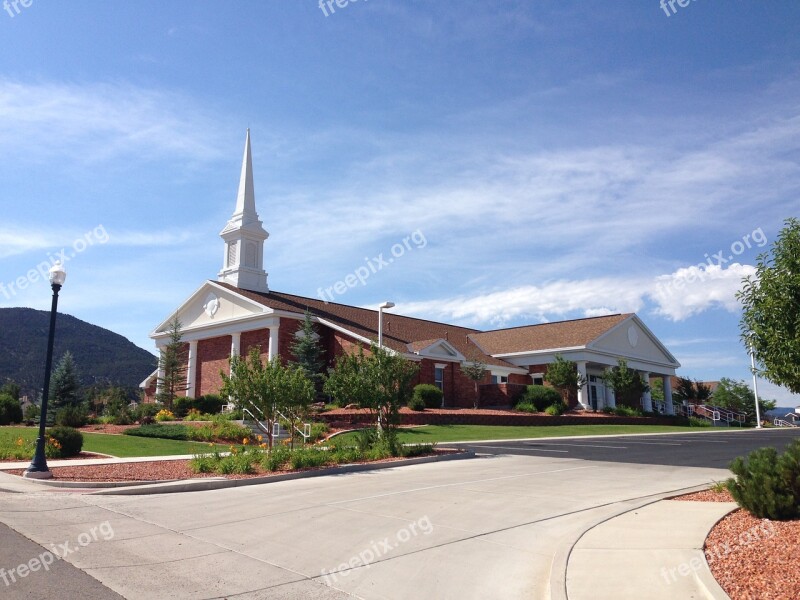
{"x": 172, "y": 363}
{"x": 64, "y": 383}
{"x": 563, "y": 375}
{"x": 308, "y": 353}
{"x": 627, "y": 384}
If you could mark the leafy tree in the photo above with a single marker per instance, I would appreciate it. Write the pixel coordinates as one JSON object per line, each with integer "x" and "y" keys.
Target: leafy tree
{"x": 563, "y": 375}
{"x": 692, "y": 391}
{"x": 10, "y": 410}
{"x": 64, "y": 384}
{"x": 173, "y": 364}
{"x": 738, "y": 397}
{"x": 627, "y": 384}
{"x": 11, "y": 388}
{"x": 267, "y": 385}
{"x": 771, "y": 303}
{"x": 308, "y": 352}
{"x": 657, "y": 389}
{"x": 475, "y": 371}
{"x": 379, "y": 381}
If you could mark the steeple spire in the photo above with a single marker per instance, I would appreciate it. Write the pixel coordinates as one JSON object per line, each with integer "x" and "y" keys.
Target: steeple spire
{"x": 246, "y": 199}
{"x": 244, "y": 235}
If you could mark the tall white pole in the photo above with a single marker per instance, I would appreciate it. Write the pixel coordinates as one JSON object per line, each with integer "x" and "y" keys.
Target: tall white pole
{"x": 380, "y": 326}
{"x": 755, "y": 386}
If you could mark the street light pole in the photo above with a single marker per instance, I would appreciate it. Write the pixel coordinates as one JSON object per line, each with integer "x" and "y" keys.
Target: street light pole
{"x": 755, "y": 385}
{"x": 38, "y": 468}
{"x": 380, "y": 321}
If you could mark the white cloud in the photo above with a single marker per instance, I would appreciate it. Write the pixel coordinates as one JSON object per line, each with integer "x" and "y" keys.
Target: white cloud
{"x": 677, "y": 296}
{"x": 692, "y": 290}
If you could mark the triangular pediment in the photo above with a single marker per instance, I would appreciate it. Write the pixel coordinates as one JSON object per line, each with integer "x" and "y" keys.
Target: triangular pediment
{"x": 211, "y": 305}
{"x": 631, "y": 338}
{"x": 437, "y": 349}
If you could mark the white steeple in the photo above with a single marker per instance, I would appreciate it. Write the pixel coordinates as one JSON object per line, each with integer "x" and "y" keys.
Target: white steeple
{"x": 244, "y": 235}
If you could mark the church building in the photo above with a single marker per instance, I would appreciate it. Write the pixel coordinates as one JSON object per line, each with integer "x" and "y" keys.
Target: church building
{"x": 238, "y": 311}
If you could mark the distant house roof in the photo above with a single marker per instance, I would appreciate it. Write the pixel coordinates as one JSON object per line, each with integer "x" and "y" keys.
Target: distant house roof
{"x": 546, "y": 336}
{"x": 400, "y": 333}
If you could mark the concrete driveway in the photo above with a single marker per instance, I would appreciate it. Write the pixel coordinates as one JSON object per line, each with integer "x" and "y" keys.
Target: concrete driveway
{"x": 490, "y": 527}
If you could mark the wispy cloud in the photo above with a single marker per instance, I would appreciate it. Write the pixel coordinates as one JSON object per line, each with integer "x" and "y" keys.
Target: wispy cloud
{"x": 99, "y": 121}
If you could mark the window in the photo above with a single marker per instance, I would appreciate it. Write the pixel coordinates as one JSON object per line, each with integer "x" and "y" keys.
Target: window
{"x": 231, "y": 254}
{"x": 438, "y": 377}
{"x": 499, "y": 378}
{"x": 538, "y": 379}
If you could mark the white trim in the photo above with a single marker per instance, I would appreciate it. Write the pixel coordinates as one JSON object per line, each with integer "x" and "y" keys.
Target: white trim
{"x": 426, "y": 351}
{"x": 212, "y": 330}
{"x": 149, "y": 378}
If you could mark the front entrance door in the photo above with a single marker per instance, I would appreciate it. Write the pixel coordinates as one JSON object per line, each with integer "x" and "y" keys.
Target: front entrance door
{"x": 597, "y": 392}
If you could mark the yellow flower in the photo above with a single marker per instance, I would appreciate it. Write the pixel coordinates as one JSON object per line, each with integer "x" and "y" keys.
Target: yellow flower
{"x": 246, "y": 441}
{"x": 263, "y": 445}
{"x": 19, "y": 442}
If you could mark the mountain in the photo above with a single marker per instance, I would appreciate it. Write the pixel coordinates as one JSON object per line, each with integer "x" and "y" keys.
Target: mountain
{"x": 101, "y": 356}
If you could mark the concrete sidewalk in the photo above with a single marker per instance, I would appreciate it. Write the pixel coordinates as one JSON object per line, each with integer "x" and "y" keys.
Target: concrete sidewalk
{"x": 655, "y": 551}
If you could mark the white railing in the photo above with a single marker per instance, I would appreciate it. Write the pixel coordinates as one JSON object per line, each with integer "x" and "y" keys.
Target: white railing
{"x": 782, "y": 423}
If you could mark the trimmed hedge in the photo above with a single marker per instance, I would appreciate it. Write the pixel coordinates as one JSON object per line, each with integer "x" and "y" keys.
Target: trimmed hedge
{"x": 167, "y": 432}
{"x": 71, "y": 440}
{"x": 210, "y": 404}
{"x": 429, "y": 394}
{"x": 541, "y": 397}
{"x": 10, "y": 410}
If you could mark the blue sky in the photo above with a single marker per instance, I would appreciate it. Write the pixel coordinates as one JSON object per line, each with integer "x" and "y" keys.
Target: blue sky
{"x": 552, "y": 159}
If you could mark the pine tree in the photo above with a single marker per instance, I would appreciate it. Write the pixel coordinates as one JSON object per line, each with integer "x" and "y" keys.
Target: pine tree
{"x": 172, "y": 364}
{"x": 64, "y": 384}
{"x": 308, "y": 353}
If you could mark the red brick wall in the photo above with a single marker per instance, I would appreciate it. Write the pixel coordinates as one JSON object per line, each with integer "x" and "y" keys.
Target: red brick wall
{"x": 500, "y": 394}
{"x": 212, "y": 357}
{"x": 251, "y": 339}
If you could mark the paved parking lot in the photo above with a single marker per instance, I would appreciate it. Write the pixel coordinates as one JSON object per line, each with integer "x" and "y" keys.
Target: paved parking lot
{"x": 713, "y": 449}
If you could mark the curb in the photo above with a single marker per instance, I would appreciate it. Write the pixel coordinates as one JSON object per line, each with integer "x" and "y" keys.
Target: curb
{"x": 557, "y": 583}
{"x": 198, "y": 485}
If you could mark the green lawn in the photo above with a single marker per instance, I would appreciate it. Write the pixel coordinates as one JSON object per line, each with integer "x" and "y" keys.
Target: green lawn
{"x": 429, "y": 434}
{"x": 123, "y": 446}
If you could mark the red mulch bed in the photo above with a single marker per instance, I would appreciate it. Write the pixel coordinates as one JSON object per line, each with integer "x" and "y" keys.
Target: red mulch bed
{"x": 751, "y": 558}
{"x": 162, "y": 471}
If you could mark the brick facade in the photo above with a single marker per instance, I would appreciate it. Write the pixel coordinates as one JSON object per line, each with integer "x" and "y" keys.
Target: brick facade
{"x": 212, "y": 357}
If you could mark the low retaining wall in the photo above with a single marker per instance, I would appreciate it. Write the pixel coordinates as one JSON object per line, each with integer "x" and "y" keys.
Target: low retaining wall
{"x": 507, "y": 418}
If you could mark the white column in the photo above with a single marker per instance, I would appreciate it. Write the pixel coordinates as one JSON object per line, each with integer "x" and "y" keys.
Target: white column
{"x": 159, "y": 378}
{"x": 191, "y": 370}
{"x": 647, "y": 402}
{"x": 236, "y": 340}
{"x": 273, "y": 342}
{"x": 583, "y": 397}
{"x": 668, "y": 394}
{"x": 611, "y": 399}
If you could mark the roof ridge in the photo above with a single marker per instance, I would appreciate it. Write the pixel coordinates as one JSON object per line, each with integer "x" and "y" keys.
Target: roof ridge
{"x": 557, "y": 322}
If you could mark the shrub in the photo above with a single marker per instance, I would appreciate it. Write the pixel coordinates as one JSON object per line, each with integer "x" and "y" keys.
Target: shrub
{"x": 609, "y": 410}
{"x": 10, "y": 410}
{"x": 768, "y": 485}
{"x": 196, "y": 415}
{"x": 168, "y": 432}
{"x": 416, "y": 403}
{"x": 416, "y": 450}
{"x": 527, "y": 407}
{"x": 31, "y": 412}
{"x": 237, "y": 463}
{"x": 429, "y": 394}
{"x": 209, "y": 404}
{"x": 698, "y": 422}
{"x": 146, "y": 410}
{"x": 555, "y": 410}
{"x": 275, "y": 458}
{"x": 165, "y": 415}
{"x": 123, "y": 417}
{"x": 204, "y": 463}
{"x": 70, "y": 440}
{"x": 147, "y": 420}
{"x": 219, "y": 429}
{"x": 541, "y": 397}
{"x": 305, "y": 458}
{"x": 366, "y": 438}
{"x": 71, "y": 416}
{"x": 627, "y": 411}
{"x": 318, "y": 431}
{"x": 345, "y": 455}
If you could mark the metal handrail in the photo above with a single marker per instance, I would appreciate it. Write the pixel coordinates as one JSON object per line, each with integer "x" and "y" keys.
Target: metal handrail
{"x": 258, "y": 423}
{"x": 781, "y": 423}
{"x": 305, "y": 432}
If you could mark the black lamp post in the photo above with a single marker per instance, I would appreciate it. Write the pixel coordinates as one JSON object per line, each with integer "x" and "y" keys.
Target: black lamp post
{"x": 38, "y": 468}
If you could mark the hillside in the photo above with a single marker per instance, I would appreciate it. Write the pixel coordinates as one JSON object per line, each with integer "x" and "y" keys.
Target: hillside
{"x": 101, "y": 356}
